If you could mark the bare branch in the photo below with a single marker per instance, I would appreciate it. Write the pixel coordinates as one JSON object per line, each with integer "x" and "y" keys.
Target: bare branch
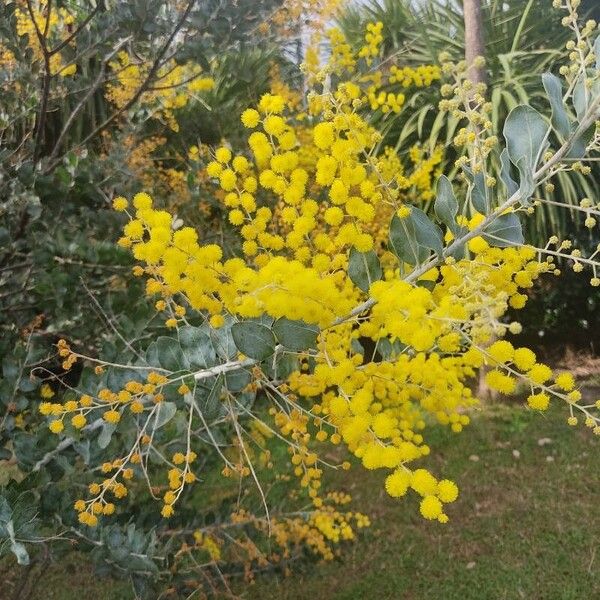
{"x": 75, "y": 33}
{"x": 80, "y": 105}
{"x": 144, "y": 85}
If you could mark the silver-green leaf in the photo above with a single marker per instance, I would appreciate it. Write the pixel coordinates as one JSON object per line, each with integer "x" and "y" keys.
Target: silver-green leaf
{"x": 254, "y": 340}
{"x": 479, "y": 192}
{"x": 413, "y": 237}
{"x": 560, "y": 119}
{"x": 197, "y": 347}
{"x": 364, "y": 268}
{"x": 166, "y": 352}
{"x": 511, "y": 185}
{"x": 525, "y": 131}
{"x": 504, "y": 231}
{"x": 106, "y": 434}
{"x": 446, "y": 204}
{"x": 527, "y": 184}
{"x": 164, "y": 413}
{"x": 295, "y": 335}
{"x": 580, "y": 99}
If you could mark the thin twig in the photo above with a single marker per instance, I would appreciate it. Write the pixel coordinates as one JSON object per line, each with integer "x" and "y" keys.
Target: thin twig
{"x": 75, "y": 33}
{"x": 143, "y": 86}
{"x": 92, "y": 89}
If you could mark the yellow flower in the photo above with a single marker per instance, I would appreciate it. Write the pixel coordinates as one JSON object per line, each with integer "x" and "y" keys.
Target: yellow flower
{"x": 108, "y": 509}
{"x": 178, "y": 458}
{"x": 250, "y": 118}
{"x": 430, "y": 507}
{"x": 447, "y": 491}
{"x": 423, "y": 482}
{"x": 539, "y": 373}
{"x": 396, "y": 484}
{"x": 565, "y": 381}
{"x": 538, "y": 401}
{"x": 45, "y": 408}
{"x": 501, "y": 351}
{"x": 68, "y": 70}
{"x": 524, "y": 359}
{"x": 112, "y": 416}
{"x": 217, "y": 321}
{"x": 136, "y": 407}
{"x": 223, "y": 155}
{"x": 120, "y": 203}
{"x": 142, "y": 201}
{"x": 46, "y": 392}
{"x": 500, "y": 382}
{"x": 56, "y": 426}
{"x": 78, "y": 421}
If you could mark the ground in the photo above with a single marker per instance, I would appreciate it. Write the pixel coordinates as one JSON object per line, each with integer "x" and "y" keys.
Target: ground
{"x": 526, "y": 525}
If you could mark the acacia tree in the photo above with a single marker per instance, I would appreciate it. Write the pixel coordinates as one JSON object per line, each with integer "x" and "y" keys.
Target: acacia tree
{"x": 348, "y": 317}
{"x": 80, "y": 81}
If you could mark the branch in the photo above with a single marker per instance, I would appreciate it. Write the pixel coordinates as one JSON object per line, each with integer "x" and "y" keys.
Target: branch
{"x": 75, "y": 33}
{"x": 224, "y": 368}
{"x": 586, "y": 122}
{"x": 143, "y": 87}
{"x": 92, "y": 89}
{"x": 68, "y": 441}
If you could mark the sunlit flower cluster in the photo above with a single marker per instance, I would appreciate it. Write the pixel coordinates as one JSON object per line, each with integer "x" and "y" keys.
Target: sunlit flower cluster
{"x": 174, "y": 87}
{"x": 308, "y": 193}
{"x": 56, "y": 22}
{"x": 394, "y": 350}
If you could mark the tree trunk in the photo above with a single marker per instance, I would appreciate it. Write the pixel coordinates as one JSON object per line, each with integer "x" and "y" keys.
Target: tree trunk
{"x": 473, "y": 39}
{"x": 474, "y": 47}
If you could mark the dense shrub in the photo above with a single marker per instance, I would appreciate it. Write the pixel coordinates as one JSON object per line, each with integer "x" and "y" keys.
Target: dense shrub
{"x": 334, "y": 299}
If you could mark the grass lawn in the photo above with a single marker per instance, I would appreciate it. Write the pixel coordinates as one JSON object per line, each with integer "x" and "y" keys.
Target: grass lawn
{"x": 526, "y": 525}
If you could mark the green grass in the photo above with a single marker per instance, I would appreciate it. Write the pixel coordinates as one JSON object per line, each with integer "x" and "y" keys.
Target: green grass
{"x": 524, "y": 526}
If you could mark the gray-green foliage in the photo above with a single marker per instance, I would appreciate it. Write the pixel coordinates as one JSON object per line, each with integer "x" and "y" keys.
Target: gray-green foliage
{"x": 412, "y": 238}
{"x": 527, "y": 137}
{"x": 56, "y": 177}
{"x": 364, "y": 268}
{"x": 522, "y": 40}
{"x": 59, "y": 261}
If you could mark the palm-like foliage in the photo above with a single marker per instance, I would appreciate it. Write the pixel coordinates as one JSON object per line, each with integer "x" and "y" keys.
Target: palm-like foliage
{"x": 241, "y": 76}
{"x": 523, "y": 38}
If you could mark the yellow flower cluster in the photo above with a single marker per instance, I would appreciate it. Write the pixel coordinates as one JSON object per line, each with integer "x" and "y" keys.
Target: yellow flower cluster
{"x": 295, "y": 265}
{"x": 392, "y": 355}
{"x": 362, "y": 194}
{"x": 321, "y": 532}
{"x": 380, "y": 85}
{"x": 421, "y": 76}
{"x": 56, "y": 22}
{"x": 509, "y": 362}
{"x": 172, "y": 88}
{"x": 467, "y": 101}
{"x": 134, "y": 396}
{"x": 289, "y": 13}
{"x": 7, "y": 59}
{"x": 378, "y": 407}
{"x": 142, "y": 398}
{"x": 143, "y": 159}
{"x": 373, "y": 40}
